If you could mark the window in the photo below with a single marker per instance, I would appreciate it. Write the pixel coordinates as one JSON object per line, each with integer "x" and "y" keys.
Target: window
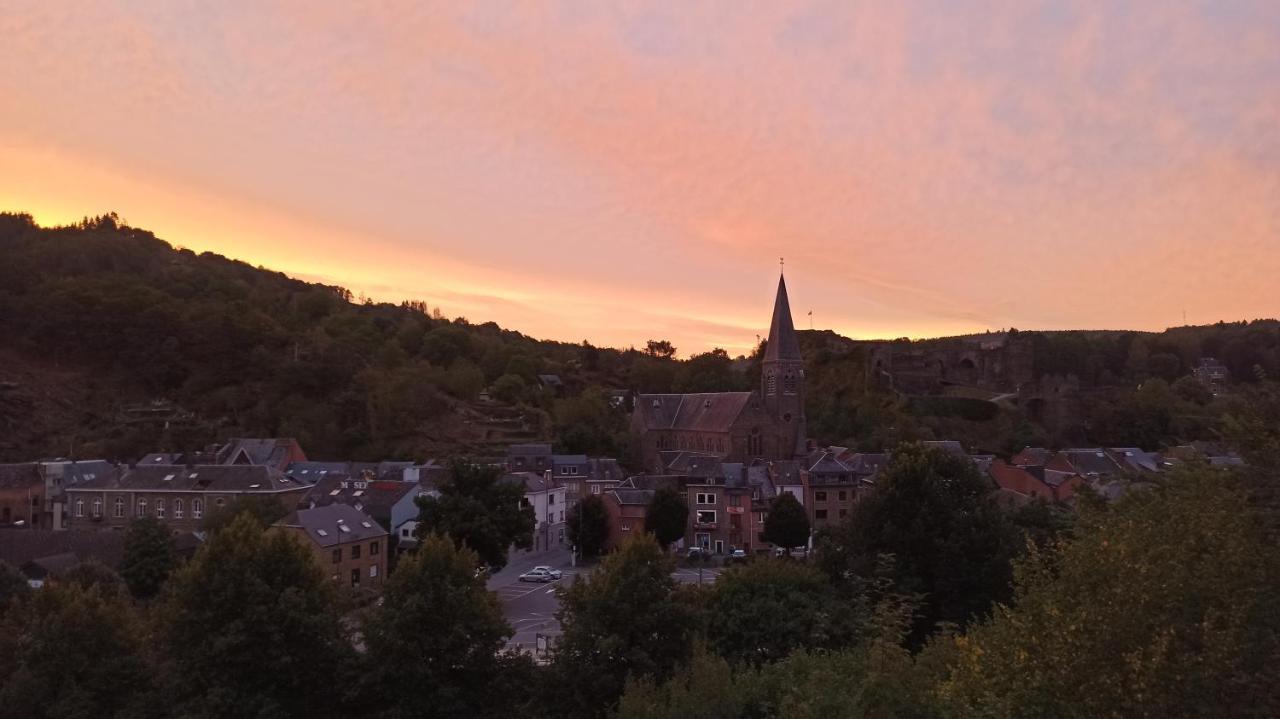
{"x": 595, "y": 489}
{"x": 819, "y": 496}
{"x": 355, "y": 551}
{"x": 819, "y": 514}
{"x": 197, "y": 509}
{"x": 119, "y": 507}
{"x": 355, "y": 578}
{"x": 97, "y": 508}
{"x": 373, "y": 571}
{"x": 735, "y": 500}
{"x": 551, "y": 499}
{"x": 220, "y": 502}
{"x": 789, "y": 384}
{"x": 404, "y": 532}
{"x": 373, "y": 549}
{"x": 706, "y": 516}
{"x": 706, "y": 498}
{"x": 142, "y": 507}
{"x": 573, "y": 470}
{"x": 843, "y": 495}
{"x": 159, "y": 509}
{"x": 626, "y": 526}
{"x": 79, "y": 507}
{"x": 562, "y": 515}
{"x": 337, "y": 556}
{"x": 760, "y": 517}
{"x": 177, "y": 509}
{"x": 771, "y": 384}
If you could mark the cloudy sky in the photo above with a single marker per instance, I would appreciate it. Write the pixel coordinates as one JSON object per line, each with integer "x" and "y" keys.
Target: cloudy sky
{"x": 626, "y": 171}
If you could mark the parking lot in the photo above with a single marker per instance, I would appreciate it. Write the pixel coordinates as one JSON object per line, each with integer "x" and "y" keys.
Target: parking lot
{"x": 530, "y": 607}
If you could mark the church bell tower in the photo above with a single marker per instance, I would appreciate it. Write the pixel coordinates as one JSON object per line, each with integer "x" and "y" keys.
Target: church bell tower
{"x": 782, "y": 378}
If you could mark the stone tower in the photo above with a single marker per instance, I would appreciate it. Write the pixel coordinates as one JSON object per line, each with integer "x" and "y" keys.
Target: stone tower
{"x": 782, "y": 378}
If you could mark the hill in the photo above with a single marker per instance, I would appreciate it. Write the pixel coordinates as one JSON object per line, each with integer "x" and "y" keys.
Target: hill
{"x": 117, "y": 343}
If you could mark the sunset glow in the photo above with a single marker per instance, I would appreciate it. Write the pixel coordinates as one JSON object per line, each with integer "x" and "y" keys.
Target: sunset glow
{"x": 575, "y": 171}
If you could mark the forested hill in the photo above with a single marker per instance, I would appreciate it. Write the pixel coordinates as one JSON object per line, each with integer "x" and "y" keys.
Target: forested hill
{"x": 113, "y": 343}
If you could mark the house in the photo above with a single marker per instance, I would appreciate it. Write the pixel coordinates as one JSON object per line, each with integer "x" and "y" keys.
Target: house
{"x": 529, "y": 457}
{"x": 391, "y": 503}
{"x": 1213, "y": 374}
{"x": 22, "y": 497}
{"x": 626, "y": 509}
{"x": 1089, "y": 463}
{"x": 603, "y": 474}
{"x": 548, "y": 503}
{"x": 570, "y": 471}
{"x": 180, "y": 496}
{"x": 832, "y": 488}
{"x": 349, "y": 545}
{"x": 275, "y": 453}
{"x": 1021, "y": 481}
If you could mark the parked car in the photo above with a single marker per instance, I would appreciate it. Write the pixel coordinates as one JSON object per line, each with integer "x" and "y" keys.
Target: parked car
{"x": 539, "y": 574}
{"x": 555, "y": 573}
{"x": 736, "y": 556}
{"x": 695, "y": 553}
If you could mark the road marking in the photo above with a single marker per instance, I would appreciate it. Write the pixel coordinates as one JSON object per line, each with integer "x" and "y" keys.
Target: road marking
{"x": 551, "y": 590}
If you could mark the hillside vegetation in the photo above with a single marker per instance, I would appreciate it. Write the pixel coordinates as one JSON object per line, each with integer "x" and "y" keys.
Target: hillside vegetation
{"x": 115, "y": 343}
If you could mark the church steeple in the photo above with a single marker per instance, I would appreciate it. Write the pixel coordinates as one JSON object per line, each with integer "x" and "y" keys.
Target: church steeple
{"x": 783, "y": 344}
{"x": 782, "y": 378}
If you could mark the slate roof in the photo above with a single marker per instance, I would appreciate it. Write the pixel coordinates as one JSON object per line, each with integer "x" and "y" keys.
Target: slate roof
{"x": 693, "y": 464}
{"x": 20, "y": 476}
{"x": 869, "y": 463}
{"x": 949, "y": 446}
{"x": 704, "y": 412}
{"x": 785, "y": 472}
{"x": 640, "y": 497}
{"x": 19, "y": 546}
{"x": 1089, "y": 461}
{"x": 161, "y": 458}
{"x": 258, "y": 451}
{"x": 329, "y": 525}
{"x": 531, "y": 481}
{"x": 1031, "y": 456}
{"x": 783, "y": 343}
{"x": 375, "y": 497}
{"x": 1135, "y": 458}
{"x": 312, "y": 472}
{"x": 76, "y": 473}
{"x": 243, "y": 478}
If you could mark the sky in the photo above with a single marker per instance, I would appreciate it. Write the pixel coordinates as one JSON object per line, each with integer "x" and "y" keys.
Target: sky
{"x": 617, "y": 172}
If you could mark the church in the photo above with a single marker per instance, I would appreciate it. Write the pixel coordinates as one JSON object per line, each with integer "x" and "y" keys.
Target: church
{"x": 767, "y": 423}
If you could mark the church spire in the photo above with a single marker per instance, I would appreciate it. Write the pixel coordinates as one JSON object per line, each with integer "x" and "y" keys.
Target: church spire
{"x": 783, "y": 344}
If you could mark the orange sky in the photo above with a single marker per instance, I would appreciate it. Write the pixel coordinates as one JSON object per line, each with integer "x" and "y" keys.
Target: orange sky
{"x": 626, "y": 171}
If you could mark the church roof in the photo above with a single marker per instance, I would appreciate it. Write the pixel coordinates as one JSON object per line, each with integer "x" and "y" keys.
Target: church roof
{"x": 783, "y": 344}
{"x": 705, "y": 412}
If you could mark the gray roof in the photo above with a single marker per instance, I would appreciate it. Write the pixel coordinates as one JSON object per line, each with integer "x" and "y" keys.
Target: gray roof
{"x": 783, "y": 343}
{"x": 19, "y": 546}
{"x": 706, "y": 412}
{"x": 20, "y": 476}
{"x": 333, "y": 524}
{"x": 312, "y": 472}
{"x": 244, "y": 478}
{"x": 946, "y": 445}
{"x": 559, "y": 459}
{"x": 640, "y": 497}
{"x": 75, "y": 473}
{"x": 375, "y": 497}
{"x": 1136, "y": 458}
{"x": 258, "y": 451}
{"x": 531, "y": 481}
{"x": 693, "y": 464}
{"x": 1090, "y": 461}
{"x": 785, "y": 472}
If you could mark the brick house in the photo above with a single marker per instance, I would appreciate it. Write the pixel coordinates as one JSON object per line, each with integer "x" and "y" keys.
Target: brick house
{"x": 180, "y": 496}
{"x": 348, "y": 544}
{"x": 22, "y": 497}
{"x": 832, "y": 488}
{"x": 626, "y": 509}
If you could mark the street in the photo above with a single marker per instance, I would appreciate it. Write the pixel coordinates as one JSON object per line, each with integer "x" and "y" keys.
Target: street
{"x": 530, "y": 608}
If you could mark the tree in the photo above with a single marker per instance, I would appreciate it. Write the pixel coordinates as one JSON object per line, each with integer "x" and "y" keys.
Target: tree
{"x": 75, "y": 652}
{"x": 434, "y": 643}
{"x": 589, "y": 526}
{"x": 13, "y": 585}
{"x": 786, "y": 524}
{"x": 479, "y": 511}
{"x": 667, "y": 516}
{"x": 1163, "y": 605}
{"x": 509, "y": 388}
{"x": 96, "y": 575}
{"x": 661, "y": 349}
{"x": 624, "y": 621}
{"x": 932, "y": 512}
{"x": 265, "y": 510}
{"x": 762, "y": 611}
{"x": 149, "y": 557}
{"x": 245, "y": 624}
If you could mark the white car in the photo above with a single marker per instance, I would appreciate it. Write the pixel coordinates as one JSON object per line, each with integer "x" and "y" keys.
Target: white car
{"x": 539, "y": 574}
{"x": 555, "y": 573}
